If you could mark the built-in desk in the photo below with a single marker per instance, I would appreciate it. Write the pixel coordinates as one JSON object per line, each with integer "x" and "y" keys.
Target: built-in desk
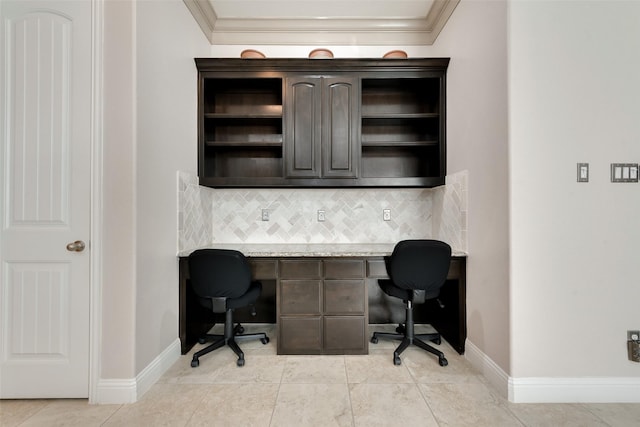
{"x": 322, "y": 297}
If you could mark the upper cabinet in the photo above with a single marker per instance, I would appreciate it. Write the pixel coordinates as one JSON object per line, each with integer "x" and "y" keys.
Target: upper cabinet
{"x": 321, "y": 127}
{"x": 321, "y": 123}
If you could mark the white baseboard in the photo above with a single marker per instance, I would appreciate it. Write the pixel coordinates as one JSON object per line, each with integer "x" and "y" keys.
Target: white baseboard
{"x": 487, "y": 367}
{"x": 118, "y": 391}
{"x": 575, "y": 390}
{"x": 554, "y": 390}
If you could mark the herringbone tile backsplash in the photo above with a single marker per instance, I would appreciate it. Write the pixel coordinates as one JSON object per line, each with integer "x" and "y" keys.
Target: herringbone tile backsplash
{"x": 207, "y": 216}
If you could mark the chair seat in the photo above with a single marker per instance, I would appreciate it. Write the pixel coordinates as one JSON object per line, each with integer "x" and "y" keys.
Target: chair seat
{"x": 392, "y": 290}
{"x": 249, "y": 298}
{"x": 242, "y": 301}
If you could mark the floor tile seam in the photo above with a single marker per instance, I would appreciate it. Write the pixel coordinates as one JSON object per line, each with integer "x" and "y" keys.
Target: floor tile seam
{"x": 513, "y": 414}
{"x": 500, "y": 403}
{"x": 49, "y": 402}
{"x": 275, "y": 403}
{"x": 314, "y": 382}
{"x": 353, "y": 417}
{"x": 113, "y": 414}
{"x": 426, "y": 401}
{"x": 381, "y": 382}
{"x": 188, "y": 421}
{"x": 588, "y": 408}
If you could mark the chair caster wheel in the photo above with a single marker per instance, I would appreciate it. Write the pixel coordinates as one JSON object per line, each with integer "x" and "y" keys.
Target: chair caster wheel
{"x": 374, "y": 340}
{"x": 264, "y": 340}
{"x": 241, "y": 330}
{"x": 202, "y": 340}
{"x": 195, "y": 363}
{"x": 436, "y": 341}
{"x": 240, "y": 362}
{"x": 442, "y": 361}
{"x": 397, "y": 361}
{"x": 400, "y": 329}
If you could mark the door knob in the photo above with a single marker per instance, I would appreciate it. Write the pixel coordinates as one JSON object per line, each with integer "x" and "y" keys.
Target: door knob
{"x": 77, "y": 246}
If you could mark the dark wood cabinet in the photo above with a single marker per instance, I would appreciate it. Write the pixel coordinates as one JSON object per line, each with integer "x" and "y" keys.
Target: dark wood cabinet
{"x": 322, "y": 129}
{"x": 322, "y": 306}
{"x": 322, "y": 123}
{"x": 303, "y": 131}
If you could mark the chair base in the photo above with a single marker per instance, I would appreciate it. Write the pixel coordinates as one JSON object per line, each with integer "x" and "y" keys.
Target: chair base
{"x": 407, "y": 335}
{"x": 417, "y": 340}
{"x": 231, "y": 335}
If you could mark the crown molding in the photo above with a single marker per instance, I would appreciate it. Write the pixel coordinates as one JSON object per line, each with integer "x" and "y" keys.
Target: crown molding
{"x": 361, "y": 32}
{"x": 204, "y": 15}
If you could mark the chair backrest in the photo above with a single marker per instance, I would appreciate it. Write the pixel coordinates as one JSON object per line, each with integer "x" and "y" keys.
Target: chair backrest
{"x": 219, "y": 273}
{"x": 420, "y": 264}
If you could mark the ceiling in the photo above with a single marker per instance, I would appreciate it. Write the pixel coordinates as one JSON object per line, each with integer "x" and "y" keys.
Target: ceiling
{"x": 321, "y": 22}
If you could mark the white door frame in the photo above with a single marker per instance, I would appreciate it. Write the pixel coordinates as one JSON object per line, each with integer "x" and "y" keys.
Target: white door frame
{"x": 97, "y": 120}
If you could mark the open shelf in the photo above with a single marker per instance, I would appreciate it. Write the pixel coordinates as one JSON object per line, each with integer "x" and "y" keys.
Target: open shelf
{"x": 241, "y": 128}
{"x": 400, "y": 161}
{"x": 247, "y": 96}
{"x": 402, "y": 128}
{"x": 243, "y": 161}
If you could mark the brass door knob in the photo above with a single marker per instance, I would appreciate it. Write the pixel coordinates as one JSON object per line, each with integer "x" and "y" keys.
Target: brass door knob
{"x": 77, "y": 246}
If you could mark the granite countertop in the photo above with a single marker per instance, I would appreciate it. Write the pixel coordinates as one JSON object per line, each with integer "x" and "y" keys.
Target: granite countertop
{"x": 309, "y": 249}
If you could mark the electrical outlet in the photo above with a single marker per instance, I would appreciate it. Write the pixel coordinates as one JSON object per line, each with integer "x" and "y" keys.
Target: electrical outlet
{"x": 633, "y": 347}
{"x": 386, "y": 214}
{"x": 320, "y": 216}
{"x": 265, "y": 214}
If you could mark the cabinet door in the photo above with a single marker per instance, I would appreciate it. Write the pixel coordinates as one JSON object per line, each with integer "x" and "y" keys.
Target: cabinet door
{"x": 303, "y": 127}
{"x": 345, "y": 335}
{"x": 300, "y": 335}
{"x": 300, "y": 297}
{"x": 344, "y": 297}
{"x": 340, "y": 127}
{"x": 322, "y": 127}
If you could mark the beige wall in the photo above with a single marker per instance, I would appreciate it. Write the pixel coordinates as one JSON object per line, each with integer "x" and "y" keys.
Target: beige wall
{"x": 167, "y": 40}
{"x": 476, "y": 40}
{"x": 574, "y": 97}
{"x": 150, "y": 133}
{"x": 118, "y": 284}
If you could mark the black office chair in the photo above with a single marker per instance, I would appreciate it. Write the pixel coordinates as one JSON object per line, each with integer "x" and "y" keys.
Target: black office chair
{"x": 417, "y": 270}
{"x": 221, "y": 279}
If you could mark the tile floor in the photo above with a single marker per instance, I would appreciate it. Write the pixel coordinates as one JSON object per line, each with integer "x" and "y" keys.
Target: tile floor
{"x": 273, "y": 390}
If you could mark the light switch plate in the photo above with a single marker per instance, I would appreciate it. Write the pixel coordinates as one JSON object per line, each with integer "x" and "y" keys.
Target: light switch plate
{"x": 583, "y": 172}
{"x": 624, "y": 172}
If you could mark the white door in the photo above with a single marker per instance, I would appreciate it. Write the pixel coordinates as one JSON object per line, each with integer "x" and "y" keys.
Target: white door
{"x": 45, "y": 122}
